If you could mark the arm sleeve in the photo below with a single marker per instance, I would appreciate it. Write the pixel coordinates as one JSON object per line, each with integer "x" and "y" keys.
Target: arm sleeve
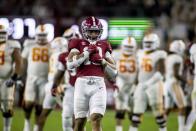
{"x": 109, "y": 48}
{"x": 77, "y": 62}
{"x": 108, "y": 55}
{"x": 110, "y": 72}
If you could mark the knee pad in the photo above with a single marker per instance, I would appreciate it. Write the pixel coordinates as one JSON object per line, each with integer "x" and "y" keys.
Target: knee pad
{"x": 67, "y": 122}
{"x": 136, "y": 120}
{"x": 8, "y": 114}
{"x": 120, "y": 114}
{"x": 161, "y": 121}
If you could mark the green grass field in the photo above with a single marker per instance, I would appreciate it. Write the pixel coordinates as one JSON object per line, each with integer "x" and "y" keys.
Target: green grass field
{"x": 54, "y": 122}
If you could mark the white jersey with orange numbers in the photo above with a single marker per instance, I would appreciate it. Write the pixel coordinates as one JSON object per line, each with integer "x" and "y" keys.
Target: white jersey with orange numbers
{"x": 170, "y": 62}
{"x": 193, "y": 60}
{"x": 6, "y": 57}
{"x": 147, "y": 63}
{"x": 37, "y": 57}
{"x": 126, "y": 66}
{"x": 53, "y": 62}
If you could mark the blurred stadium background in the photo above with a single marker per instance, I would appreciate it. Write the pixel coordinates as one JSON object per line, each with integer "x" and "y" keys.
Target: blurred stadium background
{"x": 170, "y": 19}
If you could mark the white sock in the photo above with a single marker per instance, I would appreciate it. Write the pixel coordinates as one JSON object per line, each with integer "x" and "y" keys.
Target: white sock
{"x": 7, "y": 123}
{"x": 35, "y": 128}
{"x": 27, "y": 125}
{"x": 190, "y": 120}
{"x": 163, "y": 129}
{"x": 131, "y": 128}
{"x": 119, "y": 128}
{"x": 181, "y": 122}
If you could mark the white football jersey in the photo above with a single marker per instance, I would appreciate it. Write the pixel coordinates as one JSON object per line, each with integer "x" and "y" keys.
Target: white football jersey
{"x": 170, "y": 62}
{"x": 6, "y": 57}
{"x": 147, "y": 63}
{"x": 193, "y": 56}
{"x": 53, "y": 64}
{"x": 126, "y": 66}
{"x": 37, "y": 57}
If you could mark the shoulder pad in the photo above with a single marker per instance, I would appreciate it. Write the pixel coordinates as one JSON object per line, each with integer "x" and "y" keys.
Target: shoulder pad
{"x": 14, "y": 44}
{"x": 162, "y": 53}
{"x": 28, "y": 42}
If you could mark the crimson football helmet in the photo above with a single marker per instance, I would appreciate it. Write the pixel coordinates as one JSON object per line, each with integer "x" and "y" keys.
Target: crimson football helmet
{"x": 92, "y": 29}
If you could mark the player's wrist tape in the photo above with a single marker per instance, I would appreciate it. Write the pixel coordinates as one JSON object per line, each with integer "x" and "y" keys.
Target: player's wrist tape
{"x": 14, "y": 77}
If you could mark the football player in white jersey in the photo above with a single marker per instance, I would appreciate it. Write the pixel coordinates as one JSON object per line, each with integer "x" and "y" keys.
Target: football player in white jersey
{"x": 71, "y": 33}
{"x": 192, "y": 116}
{"x": 68, "y": 112}
{"x": 58, "y": 45}
{"x": 174, "y": 69}
{"x": 10, "y": 69}
{"x": 149, "y": 90}
{"x": 127, "y": 74}
{"x": 35, "y": 55}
